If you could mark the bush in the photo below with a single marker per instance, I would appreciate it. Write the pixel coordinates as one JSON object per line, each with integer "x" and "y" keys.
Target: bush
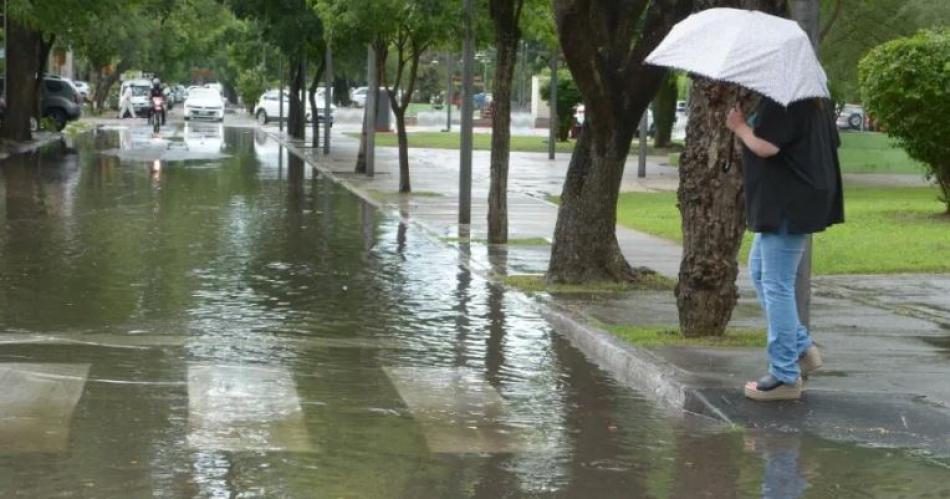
{"x": 251, "y": 84}
{"x": 904, "y": 84}
{"x": 568, "y": 96}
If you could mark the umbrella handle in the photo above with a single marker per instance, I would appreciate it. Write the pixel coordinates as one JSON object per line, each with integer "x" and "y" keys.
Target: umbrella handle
{"x": 732, "y": 147}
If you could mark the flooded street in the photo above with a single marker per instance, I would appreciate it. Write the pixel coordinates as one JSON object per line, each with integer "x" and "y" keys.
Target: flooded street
{"x": 199, "y": 316}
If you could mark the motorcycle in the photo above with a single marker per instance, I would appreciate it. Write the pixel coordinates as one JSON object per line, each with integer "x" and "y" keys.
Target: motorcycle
{"x": 157, "y": 116}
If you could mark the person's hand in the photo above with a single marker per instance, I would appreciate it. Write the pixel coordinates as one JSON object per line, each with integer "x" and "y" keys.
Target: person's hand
{"x": 735, "y": 119}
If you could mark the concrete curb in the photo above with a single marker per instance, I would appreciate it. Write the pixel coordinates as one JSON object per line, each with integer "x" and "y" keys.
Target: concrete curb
{"x": 42, "y": 144}
{"x": 635, "y": 368}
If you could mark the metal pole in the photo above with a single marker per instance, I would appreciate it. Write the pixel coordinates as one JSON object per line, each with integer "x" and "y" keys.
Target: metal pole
{"x": 553, "y": 126}
{"x": 371, "y": 95}
{"x": 449, "y": 69}
{"x": 280, "y": 94}
{"x": 328, "y": 101}
{"x": 465, "y": 170}
{"x": 6, "y": 43}
{"x": 806, "y": 13}
{"x": 642, "y": 167}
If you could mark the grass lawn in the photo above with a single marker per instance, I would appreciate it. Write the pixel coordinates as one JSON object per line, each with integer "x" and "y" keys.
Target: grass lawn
{"x": 860, "y": 152}
{"x": 660, "y": 336}
{"x": 417, "y": 107}
{"x": 887, "y": 230}
{"x": 871, "y": 152}
{"x": 482, "y": 142}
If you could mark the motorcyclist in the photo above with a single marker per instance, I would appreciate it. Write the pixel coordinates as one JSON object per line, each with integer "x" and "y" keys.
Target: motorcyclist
{"x": 157, "y": 91}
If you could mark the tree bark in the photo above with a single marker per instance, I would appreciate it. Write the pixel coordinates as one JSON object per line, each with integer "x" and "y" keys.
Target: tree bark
{"x": 664, "y": 112}
{"x": 604, "y": 44}
{"x": 371, "y": 122}
{"x": 296, "y": 118}
{"x": 311, "y": 96}
{"x": 711, "y": 199}
{"x": 712, "y": 207}
{"x": 506, "y": 15}
{"x": 104, "y": 85}
{"x": 405, "y": 184}
{"x": 399, "y": 104}
{"x": 23, "y": 53}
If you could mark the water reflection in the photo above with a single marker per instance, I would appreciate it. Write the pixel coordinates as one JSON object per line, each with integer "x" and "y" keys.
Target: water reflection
{"x": 299, "y": 297}
{"x": 782, "y": 477}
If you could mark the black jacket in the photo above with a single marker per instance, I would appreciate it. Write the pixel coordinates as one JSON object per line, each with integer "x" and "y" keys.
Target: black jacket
{"x": 802, "y": 183}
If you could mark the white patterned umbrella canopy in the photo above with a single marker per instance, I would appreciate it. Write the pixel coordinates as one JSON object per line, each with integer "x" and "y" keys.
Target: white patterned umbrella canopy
{"x": 765, "y": 53}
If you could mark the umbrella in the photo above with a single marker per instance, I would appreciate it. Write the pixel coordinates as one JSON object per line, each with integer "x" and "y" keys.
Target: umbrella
{"x": 765, "y": 53}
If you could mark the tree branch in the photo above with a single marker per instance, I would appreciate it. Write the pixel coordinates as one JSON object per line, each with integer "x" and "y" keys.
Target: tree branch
{"x": 831, "y": 21}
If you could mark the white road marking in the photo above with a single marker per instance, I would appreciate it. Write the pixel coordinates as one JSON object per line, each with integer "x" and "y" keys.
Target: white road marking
{"x": 36, "y": 405}
{"x": 245, "y": 408}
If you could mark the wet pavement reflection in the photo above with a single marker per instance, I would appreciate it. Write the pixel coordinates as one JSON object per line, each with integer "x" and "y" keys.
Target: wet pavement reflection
{"x": 228, "y": 324}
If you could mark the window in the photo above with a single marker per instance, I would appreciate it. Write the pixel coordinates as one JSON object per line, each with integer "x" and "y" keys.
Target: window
{"x": 54, "y": 87}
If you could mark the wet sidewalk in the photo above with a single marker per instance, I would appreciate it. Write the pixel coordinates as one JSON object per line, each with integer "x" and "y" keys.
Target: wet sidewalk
{"x": 886, "y": 339}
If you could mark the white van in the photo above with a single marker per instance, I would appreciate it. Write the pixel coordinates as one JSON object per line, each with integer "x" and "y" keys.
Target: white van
{"x": 140, "y": 92}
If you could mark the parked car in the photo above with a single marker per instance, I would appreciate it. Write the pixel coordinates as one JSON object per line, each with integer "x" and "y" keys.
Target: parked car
{"x": 851, "y": 116}
{"x": 358, "y": 96}
{"x": 60, "y": 101}
{"x": 216, "y": 87}
{"x": 268, "y": 108}
{"x": 179, "y": 92}
{"x": 204, "y": 103}
{"x": 682, "y": 107}
{"x": 83, "y": 88}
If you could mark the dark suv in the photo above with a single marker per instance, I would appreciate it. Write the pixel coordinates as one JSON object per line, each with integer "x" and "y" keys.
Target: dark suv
{"x": 61, "y": 102}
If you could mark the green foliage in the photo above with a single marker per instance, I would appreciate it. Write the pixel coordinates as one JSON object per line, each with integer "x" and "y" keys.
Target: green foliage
{"x": 290, "y": 25}
{"x": 905, "y": 87}
{"x": 568, "y": 96}
{"x": 864, "y": 24}
{"x": 251, "y": 84}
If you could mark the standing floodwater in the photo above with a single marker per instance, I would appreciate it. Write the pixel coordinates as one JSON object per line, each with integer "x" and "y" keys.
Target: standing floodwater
{"x": 198, "y": 316}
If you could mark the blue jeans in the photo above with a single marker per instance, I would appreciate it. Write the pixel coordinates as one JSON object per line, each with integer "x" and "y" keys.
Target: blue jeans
{"x": 773, "y": 263}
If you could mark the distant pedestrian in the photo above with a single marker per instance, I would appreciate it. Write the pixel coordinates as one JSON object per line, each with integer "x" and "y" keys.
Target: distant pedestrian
{"x": 792, "y": 189}
{"x": 125, "y": 103}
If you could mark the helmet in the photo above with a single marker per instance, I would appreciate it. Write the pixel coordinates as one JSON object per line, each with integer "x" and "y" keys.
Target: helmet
{"x": 156, "y": 81}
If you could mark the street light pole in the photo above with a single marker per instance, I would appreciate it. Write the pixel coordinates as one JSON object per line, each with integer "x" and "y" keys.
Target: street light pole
{"x": 552, "y": 128}
{"x": 371, "y": 95}
{"x": 280, "y": 94}
{"x": 328, "y": 100}
{"x": 642, "y": 166}
{"x": 806, "y": 13}
{"x": 449, "y": 69}
{"x": 465, "y": 166}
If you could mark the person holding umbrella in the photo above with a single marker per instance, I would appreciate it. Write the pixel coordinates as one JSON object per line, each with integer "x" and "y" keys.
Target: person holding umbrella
{"x": 793, "y": 188}
{"x": 791, "y": 174}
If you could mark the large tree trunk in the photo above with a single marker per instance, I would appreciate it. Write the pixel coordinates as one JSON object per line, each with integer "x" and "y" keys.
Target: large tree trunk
{"x": 712, "y": 208}
{"x": 104, "y": 85}
{"x": 23, "y": 54}
{"x": 604, "y": 43}
{"x": 711, "y": 200}
{"x": 585, "y": 238}
{"x": 664, "y": 112}
{"x": 506, "y": 15}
